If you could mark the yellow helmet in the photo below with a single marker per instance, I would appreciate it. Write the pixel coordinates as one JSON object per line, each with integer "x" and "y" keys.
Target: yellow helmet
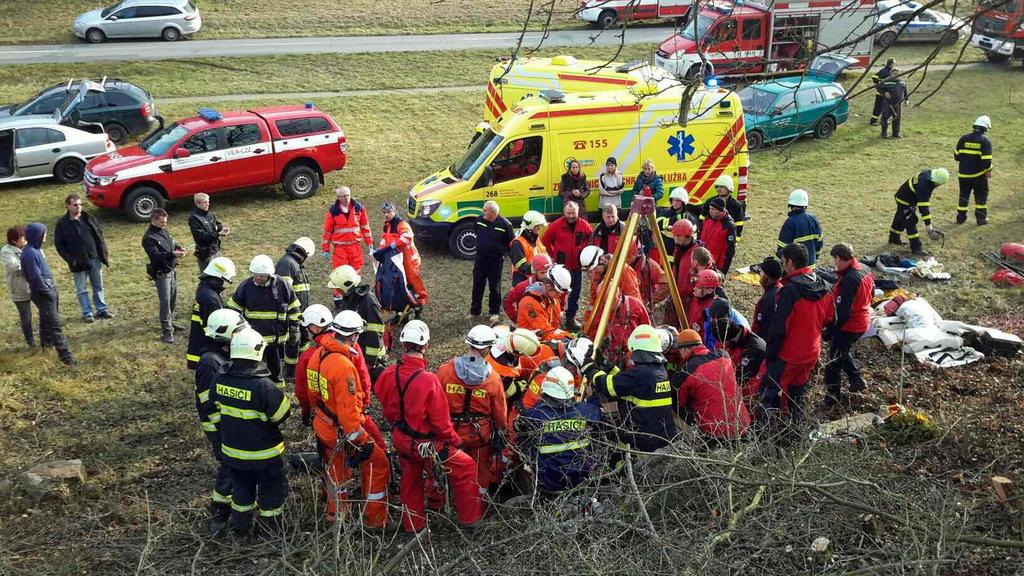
{"x": 644, "y": 337}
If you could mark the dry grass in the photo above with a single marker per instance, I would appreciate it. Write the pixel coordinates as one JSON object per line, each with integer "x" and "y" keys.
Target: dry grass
{"x": 127, "y": 410}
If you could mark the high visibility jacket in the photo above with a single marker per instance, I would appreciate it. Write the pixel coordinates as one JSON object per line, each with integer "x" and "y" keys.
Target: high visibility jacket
{"x": 557, "y": 439}
{"x": 653, "y": 283}
{"x": 289, "y": 268}
{"x": 346, "y": 228}
{"x": 801, "y": 227}
{"x": 974, "y": 154}
{"x": 363, "y": 301}
{"x": 521, "y": 251}
{"x": 764, "y": 310}
{"x": 301, "y": 379}
{"x": 916, "y": 192}
{"x": 272, "y": 310}
{"x": 564, "y": 241}
{"x": 719, "y": 237}
{"x": 708, "y": 391}
{"x": 414, "y": 402}
{"x": 212, "y": 362}
{"x": 477, "y": 409}
{"x": 804, "y": 307}
{"x": 336, "y": 394}
{"x": 515, "y": 295}
{"x": 399, "y": 232}
{"x": 645, "y": 399}
{"x": 853, "y": 294}
{"x": 251, "y": 411}
{"x": 540, "y": 313}
{"x": 208, "y": 299}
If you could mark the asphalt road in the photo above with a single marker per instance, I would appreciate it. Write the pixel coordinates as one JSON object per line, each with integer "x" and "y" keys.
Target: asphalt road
{"x": 159, "y": 50}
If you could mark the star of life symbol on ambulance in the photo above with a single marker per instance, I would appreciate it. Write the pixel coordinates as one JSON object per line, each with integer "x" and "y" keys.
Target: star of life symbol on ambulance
{"x": 681, "y": 145}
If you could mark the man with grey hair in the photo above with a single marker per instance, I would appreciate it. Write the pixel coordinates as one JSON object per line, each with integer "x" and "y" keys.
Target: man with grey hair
{"x": 206, "y": 230}
{"x": 493, "y": 236}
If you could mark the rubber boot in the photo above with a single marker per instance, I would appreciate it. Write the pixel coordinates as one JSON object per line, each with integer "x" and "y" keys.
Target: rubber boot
{"x": 219, "y": 514}
{"x": 894, "y": 238}
{"x": 915, "y": 246}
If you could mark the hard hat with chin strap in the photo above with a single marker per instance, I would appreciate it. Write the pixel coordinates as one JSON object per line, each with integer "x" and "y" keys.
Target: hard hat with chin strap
{"x": 348, "y": 322}
{"x": 799, "y": 198}
{"x": 983, "y": 122}
{"x": 940, "y": 176}
{"x": 644, "y": 337}
{"x": 708, "y": 279}
{"x": 481, "y": 337}
{"x": 522, "y": 342}
{"x": 532, "y": 219}
{"x": 415, "y": 332}
{"x": 560, "y": 278}
{"x": 590, "y": 256}
{"x": 222, "y": 324}
{"x": 558, "y": 383}
{"x": 679, "y": 193}
{"x": 247, "y": 344}
{"x": 316, "y": 315}
{"x": 682, "y": 227}
{"x": 579, "y": 351}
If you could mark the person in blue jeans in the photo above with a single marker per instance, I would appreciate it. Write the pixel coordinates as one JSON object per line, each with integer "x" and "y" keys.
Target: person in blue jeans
{"x": 79, "y": 241}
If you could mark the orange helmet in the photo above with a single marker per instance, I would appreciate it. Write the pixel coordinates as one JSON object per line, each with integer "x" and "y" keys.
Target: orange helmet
{"x": 540, "y": 261}
{"x": 708, "y": 279}
{"x": 682, "y": 227}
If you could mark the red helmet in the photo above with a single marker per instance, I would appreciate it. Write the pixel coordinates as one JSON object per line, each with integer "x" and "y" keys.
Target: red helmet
{"x": 708, "y": 279}
{"x": 540, "y": 260}
{"x": 682, "y": 227}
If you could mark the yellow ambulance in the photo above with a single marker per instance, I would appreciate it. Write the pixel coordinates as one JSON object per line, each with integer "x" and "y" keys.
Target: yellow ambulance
{"x": 518, "y": 161}
{"x": 513, "y": 79}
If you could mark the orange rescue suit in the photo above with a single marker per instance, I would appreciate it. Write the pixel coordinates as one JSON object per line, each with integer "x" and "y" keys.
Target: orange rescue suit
{"x": 477, "y": 412}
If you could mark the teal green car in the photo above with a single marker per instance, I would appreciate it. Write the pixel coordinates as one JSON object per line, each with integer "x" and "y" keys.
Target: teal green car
{"x": 787, "y": 108}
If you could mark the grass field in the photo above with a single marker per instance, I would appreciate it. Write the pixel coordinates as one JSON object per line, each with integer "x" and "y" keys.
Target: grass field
{"x": 127, "y": 410}
{"x": 20, "y": 21}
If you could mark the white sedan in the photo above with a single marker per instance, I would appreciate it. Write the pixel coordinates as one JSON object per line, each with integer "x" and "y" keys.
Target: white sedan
{"x": 33, "y": 148}
{"x": 906, "y": 21}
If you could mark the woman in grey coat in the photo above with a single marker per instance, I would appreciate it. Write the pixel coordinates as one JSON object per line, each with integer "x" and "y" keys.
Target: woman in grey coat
{"x": 17, "y": 286}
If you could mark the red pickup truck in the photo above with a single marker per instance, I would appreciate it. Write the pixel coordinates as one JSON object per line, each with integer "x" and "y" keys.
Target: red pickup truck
{"x": 214, "y": 152}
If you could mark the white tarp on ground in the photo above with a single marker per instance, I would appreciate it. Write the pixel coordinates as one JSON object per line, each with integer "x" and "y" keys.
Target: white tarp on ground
{"x": 923, "y": 333}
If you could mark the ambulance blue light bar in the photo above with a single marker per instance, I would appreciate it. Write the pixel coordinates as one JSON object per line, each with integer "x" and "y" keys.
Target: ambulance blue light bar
{"x": 309, "y": 105}
{"x": 209, "y": 114}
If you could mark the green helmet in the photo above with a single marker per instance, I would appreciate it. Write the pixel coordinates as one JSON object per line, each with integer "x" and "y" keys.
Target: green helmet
{"x": 644, "y": 337}
{"x": 940, "y": 176}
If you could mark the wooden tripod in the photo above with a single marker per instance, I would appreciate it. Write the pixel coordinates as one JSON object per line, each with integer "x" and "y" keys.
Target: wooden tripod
{"x": 641, "y": 207}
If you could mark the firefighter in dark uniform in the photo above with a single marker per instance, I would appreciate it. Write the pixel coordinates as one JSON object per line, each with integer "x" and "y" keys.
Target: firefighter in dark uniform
{"x": 220, "y": 327}
{"x": 974, "y": 153}
{"x": 251, "y": 409}
{"x": 877, "y": 79}
{"x": 894, "y": 90}
{"x": 915, "y": 194}
{"x": 289, "y": 268}
{"x": 642, "y": 391}
{"x": 270, "y": 306}
{"x": 493, "y": 240}
{"x": 361, "y": 299}
{"x": 208, "y": 298}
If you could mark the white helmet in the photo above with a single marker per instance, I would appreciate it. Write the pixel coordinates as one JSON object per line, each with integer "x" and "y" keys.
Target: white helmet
{"x": 221, "y": 267}
{"x": 348, "y": 322}
{"x": 522, "y": 342}
{"x": 415, "y": 332}
{"x": 307, "y": 245}
{"x": 668, "y": 335}
{"x": 578, "y": 351}
{"x": 247, "y": 344}
{"x": 261, "y": 264}
{"x": 560, "y": 278}
{"x": 724, "y": 180}
{"x": 679, "y": 193}
{"x": 558, "y": 383}
{"x": 316, "y": 315}
{"x": 799, "y": 197}
{"x": 589, "y": 257}
{"x": 983, "y": 122}
{"x": 533, "y": 218}
{"x": 481, "y": 337}
{"x": 222, "y": 324}
{"x": 344, "y": 278}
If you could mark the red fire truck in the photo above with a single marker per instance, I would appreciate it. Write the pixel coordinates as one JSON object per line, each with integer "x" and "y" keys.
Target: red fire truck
{"x": 999, "y": 29}
{"x": 747, "y": 38}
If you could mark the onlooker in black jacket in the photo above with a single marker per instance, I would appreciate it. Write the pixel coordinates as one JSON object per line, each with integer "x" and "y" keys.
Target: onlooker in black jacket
{"x": 493, "y": 237}
{"x": 163, "y": 255}
{"x": 206, "y": 230}
{"x": 44, "y": 292}
{"x": 79, "y": 241}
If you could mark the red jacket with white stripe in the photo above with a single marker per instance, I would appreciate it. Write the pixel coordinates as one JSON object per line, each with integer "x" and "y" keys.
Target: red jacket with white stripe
{"x": 343, "y": 228}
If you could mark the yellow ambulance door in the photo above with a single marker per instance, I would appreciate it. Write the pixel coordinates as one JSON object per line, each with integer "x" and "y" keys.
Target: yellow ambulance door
{"x": 515, "y": 175}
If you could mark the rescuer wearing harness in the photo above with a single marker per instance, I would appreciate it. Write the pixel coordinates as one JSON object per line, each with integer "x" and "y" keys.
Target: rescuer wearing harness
{"x": 422, "y": 434}
{"x": 273, "y": 310}
{"x": 540, "y": 308}
{"x": 974, "y": 154}
{"x": 339, "y": 415}
{"x": 667, "y": 218}
{"x": 916, "y": 195}
{"x": 541, "y": 265}
{"x": 251, "y": 409}
{"x": 361, "y": 299}
{"x": 398, "y": 233}
{"x": 316, "y": 320}
{"x": 718, "y": 233}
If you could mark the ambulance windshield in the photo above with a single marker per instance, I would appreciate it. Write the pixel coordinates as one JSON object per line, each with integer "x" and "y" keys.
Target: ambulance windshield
{"x": 478, "y": 152}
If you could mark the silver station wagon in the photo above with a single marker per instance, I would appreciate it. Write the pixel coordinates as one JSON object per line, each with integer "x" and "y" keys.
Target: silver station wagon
{"x": 167, "y": 19}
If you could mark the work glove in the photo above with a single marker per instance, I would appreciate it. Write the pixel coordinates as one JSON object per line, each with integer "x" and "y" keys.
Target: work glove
{"x": 293, "y": 337}
{"x": 828, "y": 332}
{"x": 935, "y": 233}
{"x": 327, "y": 256}
{"x": 393, "y": 246}
{"x": 444, "y": 453}
{"x": 358, "y": 454}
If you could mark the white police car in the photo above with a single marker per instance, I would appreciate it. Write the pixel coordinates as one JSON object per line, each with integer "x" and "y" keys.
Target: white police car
{"x": 906, "y": 21}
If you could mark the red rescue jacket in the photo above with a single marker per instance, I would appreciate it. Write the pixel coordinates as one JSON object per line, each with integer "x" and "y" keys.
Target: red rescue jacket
{"x": 564, "y": 245}
{"x": 719, "y": 237}
{"x": 707, "y": 388}
{"x": 419, "y": 410}
{"x": 804, "y": 307}
{"x": 853, "y": 294}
